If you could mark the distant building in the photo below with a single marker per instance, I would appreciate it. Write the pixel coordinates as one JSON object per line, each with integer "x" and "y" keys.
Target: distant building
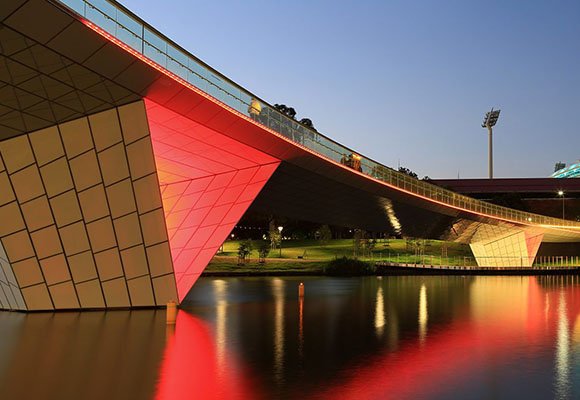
{"x": 559, "y": 165}
{"x": 573, "y": 171}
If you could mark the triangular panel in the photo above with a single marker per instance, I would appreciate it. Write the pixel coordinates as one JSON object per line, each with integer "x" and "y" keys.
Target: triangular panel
{"x": 207, "y": 181}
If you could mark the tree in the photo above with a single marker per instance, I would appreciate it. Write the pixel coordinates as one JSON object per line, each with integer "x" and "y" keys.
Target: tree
{"x": 407, "y": 171}
{"x": 274, "y": 235}
{"x": 275, "y": 238}
{"x": 284, "y": 109}
{"x": 244, "y": 250}
{"x": 291, "y": 113}
{"x": 359, "y": 242}
{"x": 263, "y": 252}
{"x": 419, "y": 247}
{"x": 409, "y": 244}
{"x": 370, "y": 246}
{"x": 324, "y": 234}
{"x": 307, "y": 122}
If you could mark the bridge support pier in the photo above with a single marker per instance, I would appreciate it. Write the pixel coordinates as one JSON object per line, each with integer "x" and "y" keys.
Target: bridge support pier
{"x": 119, "y": 209}
{"x": 500, "y": 247}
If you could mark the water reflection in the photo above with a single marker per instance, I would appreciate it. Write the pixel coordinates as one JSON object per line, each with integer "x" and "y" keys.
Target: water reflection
{"x": 219, "y": 292}
{"x": 93, "y": 355}
{"x": 252, "y": 338}
{"x": 423, "y": 314}
{"x": 380, "y": 312}
{"x": 278, "y": 294}
{"x": 562, "y": 382}
{"x": 192, "y": 367}
{"x": 301, "y": 327}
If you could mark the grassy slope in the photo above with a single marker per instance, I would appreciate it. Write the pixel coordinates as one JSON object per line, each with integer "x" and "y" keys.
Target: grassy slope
{"x": 316, "y": 255}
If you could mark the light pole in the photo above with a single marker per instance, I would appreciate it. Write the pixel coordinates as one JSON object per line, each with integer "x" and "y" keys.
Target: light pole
{"x": 280, "y": 230}
{"x": 561, "y": 194}
{"x": 489, "y": 122}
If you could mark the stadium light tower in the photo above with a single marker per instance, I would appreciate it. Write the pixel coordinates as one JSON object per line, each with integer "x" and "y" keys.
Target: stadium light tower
{"x": 489, "y": 122}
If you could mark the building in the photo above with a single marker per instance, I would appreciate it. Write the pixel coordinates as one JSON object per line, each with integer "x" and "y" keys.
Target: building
{"x": 572, "y": 171}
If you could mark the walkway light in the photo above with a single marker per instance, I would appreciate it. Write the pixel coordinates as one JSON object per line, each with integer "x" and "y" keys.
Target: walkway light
{"x": 489, "y": 122}
{"x": 561, "y": 194}
{"x": 280, "y": 230}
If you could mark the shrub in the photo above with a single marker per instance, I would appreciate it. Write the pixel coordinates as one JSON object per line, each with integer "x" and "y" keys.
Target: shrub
{"x": 244, "y": 250}
{"x": 349, "y": 267}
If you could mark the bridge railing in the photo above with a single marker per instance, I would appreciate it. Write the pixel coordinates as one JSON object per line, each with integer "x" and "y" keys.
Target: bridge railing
{"x": 492, "y": 262}
{"x": 120, "y": 23}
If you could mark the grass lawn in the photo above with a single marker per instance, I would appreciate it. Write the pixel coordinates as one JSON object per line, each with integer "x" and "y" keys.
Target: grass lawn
{"x": 310, "y": 256}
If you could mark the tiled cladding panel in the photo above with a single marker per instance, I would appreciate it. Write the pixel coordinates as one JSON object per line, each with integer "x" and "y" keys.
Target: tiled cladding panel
{"x": 40, "y": 87}
{"x": 208, "y": 181}
{"x": 82, "y": 220}
{"x": 10, "y": 294}
{"x": 501, "y": 247}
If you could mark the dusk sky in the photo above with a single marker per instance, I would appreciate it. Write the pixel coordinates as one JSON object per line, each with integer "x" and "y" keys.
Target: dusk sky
{"x": 403, "y": 81}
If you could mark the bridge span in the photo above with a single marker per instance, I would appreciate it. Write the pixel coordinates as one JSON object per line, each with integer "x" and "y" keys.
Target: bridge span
{"x": 125, "y": 162}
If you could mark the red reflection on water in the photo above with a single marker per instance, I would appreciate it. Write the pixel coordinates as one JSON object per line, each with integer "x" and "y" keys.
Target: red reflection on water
{"x": 450, "y": 356}
{"x": 191, "y": 368}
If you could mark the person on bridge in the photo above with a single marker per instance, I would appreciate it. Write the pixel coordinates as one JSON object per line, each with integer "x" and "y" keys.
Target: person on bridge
{"x": 356, "y": 163}
{"x": 254, "y": 109}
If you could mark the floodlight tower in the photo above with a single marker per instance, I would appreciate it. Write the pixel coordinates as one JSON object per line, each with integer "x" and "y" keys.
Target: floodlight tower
{"x": 489, "y": 122}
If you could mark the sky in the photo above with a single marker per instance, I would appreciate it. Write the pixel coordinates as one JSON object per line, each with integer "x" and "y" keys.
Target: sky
{"x": 403, "y": 82}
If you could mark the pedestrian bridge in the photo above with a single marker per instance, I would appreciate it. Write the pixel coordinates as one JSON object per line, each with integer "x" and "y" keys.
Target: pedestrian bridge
{"x": 125, "y": 162}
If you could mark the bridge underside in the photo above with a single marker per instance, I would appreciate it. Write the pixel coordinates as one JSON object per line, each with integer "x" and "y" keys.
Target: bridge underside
{"x": 118, "y": 183}
{"x": 123, "y": 208}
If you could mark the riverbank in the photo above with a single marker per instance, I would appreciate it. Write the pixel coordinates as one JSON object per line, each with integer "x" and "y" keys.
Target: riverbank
{"x": 228, "y": 266}
{"x": 427, "y": 270}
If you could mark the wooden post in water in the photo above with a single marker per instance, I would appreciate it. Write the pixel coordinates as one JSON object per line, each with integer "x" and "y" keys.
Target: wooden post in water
{"x": 171, "y": 312}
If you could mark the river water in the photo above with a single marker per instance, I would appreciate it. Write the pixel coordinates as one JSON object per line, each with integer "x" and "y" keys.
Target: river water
{"x": 348, "y": 338}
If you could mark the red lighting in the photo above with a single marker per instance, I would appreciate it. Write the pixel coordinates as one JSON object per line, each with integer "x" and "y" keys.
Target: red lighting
{"x": 207, "y": 181}
{"x": 454, "y": 354}
{"x": 192, "y": 368}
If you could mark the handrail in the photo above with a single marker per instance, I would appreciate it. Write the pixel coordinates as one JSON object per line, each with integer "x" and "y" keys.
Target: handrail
{"x": 119, "y": 22}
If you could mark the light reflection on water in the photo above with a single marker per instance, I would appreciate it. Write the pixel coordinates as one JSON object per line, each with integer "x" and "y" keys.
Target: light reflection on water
{"x": 380, "y": 312}
{"x": 423, "y": 313}
{"x": 348, "y": 338}
{"x": 562, "y": 383}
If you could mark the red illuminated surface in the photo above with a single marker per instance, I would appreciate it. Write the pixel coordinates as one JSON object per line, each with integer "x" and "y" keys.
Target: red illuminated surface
{"x": 207, "y": 182}
{"x": 192, "y": 369}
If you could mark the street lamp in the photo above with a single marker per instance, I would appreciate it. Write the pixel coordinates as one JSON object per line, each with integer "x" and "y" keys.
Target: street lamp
{"x": 489, "y": 122}
{"x": 280, "y": 230}
{"x": 561, "y": 194}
